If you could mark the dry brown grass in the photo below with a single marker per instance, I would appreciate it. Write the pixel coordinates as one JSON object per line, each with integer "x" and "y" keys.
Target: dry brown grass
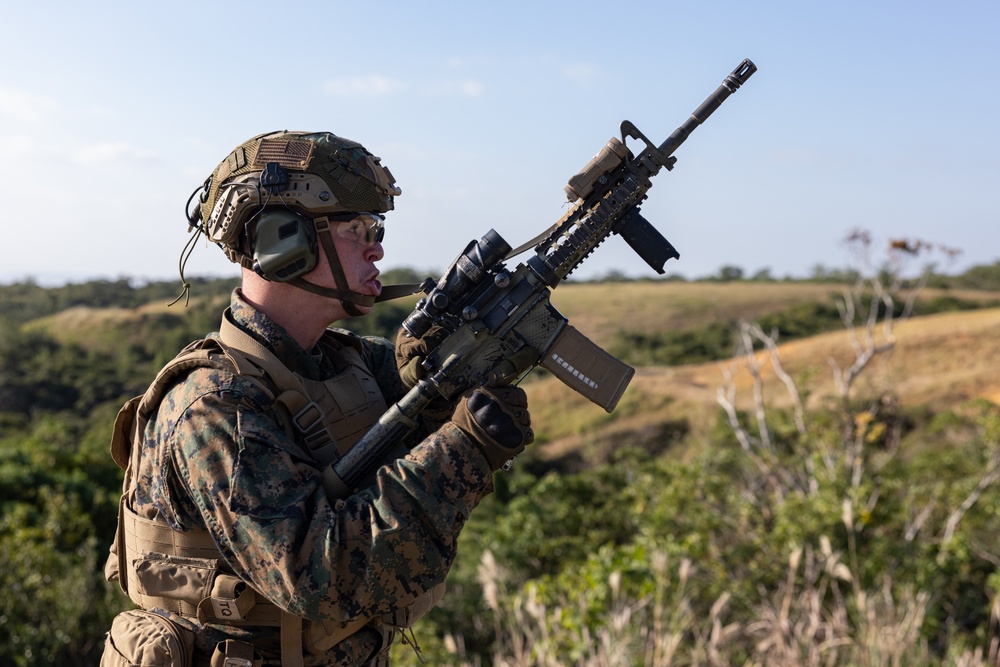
{"x": 87, "y": 327}
{"x": 601, "y": 309}
{"x": 942, "y": 361}
{"x": 819, "y": 617}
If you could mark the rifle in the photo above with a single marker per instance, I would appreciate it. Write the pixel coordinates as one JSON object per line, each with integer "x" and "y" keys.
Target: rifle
{"x": 498, "y": 323}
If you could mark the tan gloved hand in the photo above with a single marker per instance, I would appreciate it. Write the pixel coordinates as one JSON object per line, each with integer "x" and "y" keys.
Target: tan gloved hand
{"x": 510, "y": 368}
{"x": 411, "y": 352}
{"x": 496, "y": 419}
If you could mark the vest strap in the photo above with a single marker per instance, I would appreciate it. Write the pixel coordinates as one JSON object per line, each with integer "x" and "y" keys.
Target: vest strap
{"x": 307, "y": 417}
{"x": 232, "y": 335}
{"x": 291, "y": 640}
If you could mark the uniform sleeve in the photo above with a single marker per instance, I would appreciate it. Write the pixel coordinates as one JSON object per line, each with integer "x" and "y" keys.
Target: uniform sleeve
{"x": 263, "y": 501}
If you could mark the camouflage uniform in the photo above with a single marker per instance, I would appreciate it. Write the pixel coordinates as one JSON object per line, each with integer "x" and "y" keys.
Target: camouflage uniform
{"x": 217, "y": 456}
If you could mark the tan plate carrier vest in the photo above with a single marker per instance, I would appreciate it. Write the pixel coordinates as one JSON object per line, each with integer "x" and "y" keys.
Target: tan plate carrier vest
{"x": 184, "y": 572}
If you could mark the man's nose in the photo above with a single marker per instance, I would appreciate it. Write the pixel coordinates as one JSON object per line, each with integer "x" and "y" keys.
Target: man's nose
{"x": 375, "y": 252}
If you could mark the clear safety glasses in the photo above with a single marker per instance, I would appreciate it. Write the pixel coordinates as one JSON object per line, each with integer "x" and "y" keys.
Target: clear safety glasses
{"x": 364, "y": 228}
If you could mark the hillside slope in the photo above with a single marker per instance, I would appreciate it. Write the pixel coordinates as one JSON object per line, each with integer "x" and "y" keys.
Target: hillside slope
{"x": 601, "y": 309}
{"x": 940, "y": 361}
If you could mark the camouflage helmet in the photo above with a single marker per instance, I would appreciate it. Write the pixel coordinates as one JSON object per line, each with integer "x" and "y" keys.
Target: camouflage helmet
{"x": 316, "y": 173}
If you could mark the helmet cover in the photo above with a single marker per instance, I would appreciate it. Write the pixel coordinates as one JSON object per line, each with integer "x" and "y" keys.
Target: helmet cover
{"x": 323, "y": 174}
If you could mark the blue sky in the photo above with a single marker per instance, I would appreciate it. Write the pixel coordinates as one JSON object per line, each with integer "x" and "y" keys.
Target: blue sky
{"x": 874, "y": 115}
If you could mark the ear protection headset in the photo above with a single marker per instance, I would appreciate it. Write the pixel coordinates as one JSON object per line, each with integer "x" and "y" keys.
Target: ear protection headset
{"x": 283, "y": 242}
{"x": 284, "y": 245}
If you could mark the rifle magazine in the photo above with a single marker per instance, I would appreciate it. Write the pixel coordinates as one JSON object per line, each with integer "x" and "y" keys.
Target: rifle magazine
{"x": 583, "y": 366}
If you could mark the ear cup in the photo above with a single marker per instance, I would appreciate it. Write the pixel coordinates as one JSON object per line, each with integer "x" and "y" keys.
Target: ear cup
{"x": 284, "y": 245}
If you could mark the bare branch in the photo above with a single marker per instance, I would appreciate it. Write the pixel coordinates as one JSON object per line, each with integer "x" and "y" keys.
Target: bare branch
{"x": 771, "y": 343}
{"x": 753, "y": 366}
{"x": 918, "y": 522}
{"x": 726, "y": 397}
{"x": 990, "y": 476}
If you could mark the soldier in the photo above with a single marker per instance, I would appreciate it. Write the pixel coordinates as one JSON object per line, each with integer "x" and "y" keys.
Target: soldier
{"x": 232, "y": 540}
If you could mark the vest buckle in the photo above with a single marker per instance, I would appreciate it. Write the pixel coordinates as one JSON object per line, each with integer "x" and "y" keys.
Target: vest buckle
{"x": 306, "y": 419}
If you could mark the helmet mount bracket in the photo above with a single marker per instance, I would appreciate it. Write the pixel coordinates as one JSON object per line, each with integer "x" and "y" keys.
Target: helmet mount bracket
{"x": 274, "y": 178}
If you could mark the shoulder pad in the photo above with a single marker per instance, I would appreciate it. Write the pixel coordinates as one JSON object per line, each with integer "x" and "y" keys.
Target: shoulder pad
{"x": 342, "y": 338}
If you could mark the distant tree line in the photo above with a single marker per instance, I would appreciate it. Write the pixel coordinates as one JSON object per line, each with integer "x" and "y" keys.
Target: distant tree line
{"x": 980, "y": 277}
{"x": 26, "y": 300}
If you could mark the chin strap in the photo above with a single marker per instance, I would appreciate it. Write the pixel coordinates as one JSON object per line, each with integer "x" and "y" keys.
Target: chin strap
{"x": 351, "y": 300}
{"x": 389, "y": 292}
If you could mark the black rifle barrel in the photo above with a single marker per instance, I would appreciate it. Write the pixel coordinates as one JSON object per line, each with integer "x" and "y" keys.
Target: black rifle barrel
{"x": 732, "y": 83}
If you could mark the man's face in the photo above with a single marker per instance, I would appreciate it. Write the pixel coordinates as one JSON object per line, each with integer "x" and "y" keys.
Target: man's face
{"x": 358, "y": 244}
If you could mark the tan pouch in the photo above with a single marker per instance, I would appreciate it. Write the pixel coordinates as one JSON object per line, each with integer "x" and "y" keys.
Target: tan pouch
{"x": 141, "y": 638}
{"x": 175, "y": 577}
{"x": 196, "y": 587}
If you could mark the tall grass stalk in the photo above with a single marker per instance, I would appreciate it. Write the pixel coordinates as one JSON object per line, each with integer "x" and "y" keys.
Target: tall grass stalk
{"x": 818, "y": 617}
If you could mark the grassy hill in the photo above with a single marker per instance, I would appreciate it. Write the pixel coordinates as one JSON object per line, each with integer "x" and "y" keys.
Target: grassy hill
{"x": 603, "y": 533}
{"x": 942, "y": 360}
{"x": 601, "y": 310}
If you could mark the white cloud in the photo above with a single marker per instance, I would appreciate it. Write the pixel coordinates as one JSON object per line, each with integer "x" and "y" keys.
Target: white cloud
{"x": 583, "y": 73}
{"x": 376, "y": 85}
{"x": 113, "y": 151}
{"x": 466, "y": 88}
{"x": 24, "y": 106}
{"x": 18, "y": 146}
{"x": 33, "y": 153}
{"x": 373, "y": 85}
{"x": 471, "y": 88}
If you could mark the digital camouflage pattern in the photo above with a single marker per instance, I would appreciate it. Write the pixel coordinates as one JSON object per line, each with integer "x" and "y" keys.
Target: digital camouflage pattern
{"x": 216, "y": 456}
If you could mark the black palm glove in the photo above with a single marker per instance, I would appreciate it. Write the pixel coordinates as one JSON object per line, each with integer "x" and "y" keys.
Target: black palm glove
{"x": 497, "y": 420}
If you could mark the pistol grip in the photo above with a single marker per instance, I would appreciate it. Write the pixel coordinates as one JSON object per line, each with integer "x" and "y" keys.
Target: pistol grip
{"x": 647, "y": 242}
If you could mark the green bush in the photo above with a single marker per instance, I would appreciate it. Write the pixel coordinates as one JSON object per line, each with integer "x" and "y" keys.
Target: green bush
{"x": 712, "y": 541}
{"x": 719, "y": 558}
{"x": 58, "y": 502}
